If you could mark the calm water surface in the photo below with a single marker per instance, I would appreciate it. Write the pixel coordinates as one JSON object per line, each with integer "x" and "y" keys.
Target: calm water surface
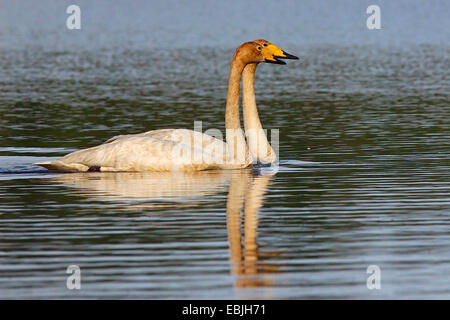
{"x": 364, "y": 174}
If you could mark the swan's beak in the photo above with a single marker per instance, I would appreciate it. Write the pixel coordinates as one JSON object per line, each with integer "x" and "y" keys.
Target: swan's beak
{"x": 281, "y": 54}
{"x": 270, "y": 58}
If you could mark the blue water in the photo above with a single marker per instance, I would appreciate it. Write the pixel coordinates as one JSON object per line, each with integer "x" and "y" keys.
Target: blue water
{"x": 364, "y": 172}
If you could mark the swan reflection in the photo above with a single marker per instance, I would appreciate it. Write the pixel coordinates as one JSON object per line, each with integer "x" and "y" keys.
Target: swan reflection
{"x": 246, "y": 192}
{"x": 148, "y": 190}
{"x": 144, "y": 190}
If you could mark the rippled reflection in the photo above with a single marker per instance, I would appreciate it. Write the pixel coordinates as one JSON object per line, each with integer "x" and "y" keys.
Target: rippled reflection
{"x": 246, "y": 192}
{"x": 147, "y": 189}
{"x": 141, "y": 190}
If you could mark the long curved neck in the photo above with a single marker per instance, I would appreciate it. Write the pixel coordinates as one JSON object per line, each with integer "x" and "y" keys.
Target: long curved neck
{"x": 238, "y": 152}
{"x": 232, "y": 120}
{"x": 258, "y": 144}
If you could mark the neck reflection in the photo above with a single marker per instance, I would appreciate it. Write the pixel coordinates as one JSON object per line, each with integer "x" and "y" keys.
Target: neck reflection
{"x": 246, "y": 192}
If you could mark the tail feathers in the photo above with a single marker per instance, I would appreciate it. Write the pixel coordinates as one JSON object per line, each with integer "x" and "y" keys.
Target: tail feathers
{"x": 61, "y": 166}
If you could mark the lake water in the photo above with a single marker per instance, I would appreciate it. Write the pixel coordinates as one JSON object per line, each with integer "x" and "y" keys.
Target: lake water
{"x": 364, "y": 174}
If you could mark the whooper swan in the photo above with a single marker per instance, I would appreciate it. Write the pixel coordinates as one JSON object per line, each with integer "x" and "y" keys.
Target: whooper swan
{"x": 259, "y": 147}
{"x": 179, "y": 149}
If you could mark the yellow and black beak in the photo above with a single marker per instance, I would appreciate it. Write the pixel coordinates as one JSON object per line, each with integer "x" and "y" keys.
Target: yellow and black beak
{"x": 280, "y": 54}
{"x": 269, "y": 57}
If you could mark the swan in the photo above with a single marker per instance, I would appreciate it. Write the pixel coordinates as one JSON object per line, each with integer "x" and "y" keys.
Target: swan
{"x": 178, "y": 149}
{"x": 258, "y": 144}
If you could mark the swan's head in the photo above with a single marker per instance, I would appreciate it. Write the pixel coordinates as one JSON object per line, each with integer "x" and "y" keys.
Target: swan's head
{"x": 262, "y": 51}
{"x": 275, "y": 51}
{"x": 253, "y": 52}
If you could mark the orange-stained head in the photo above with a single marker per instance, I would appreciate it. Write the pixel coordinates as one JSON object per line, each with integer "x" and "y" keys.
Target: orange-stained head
{"x": 275, "y": 51}
{"x": 262, "y": 51}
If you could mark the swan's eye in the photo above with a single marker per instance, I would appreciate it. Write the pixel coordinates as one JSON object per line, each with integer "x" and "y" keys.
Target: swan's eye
{"x": 259, "y": 48}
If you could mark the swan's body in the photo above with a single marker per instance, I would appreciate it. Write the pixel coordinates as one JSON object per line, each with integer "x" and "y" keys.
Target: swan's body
{"x": 157, "y": 150}
{"x": 148, "y": 151}
{"x": 182, "y": 149}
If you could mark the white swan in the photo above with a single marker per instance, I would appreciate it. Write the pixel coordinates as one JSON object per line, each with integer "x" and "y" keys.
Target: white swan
{"x": 178, "y": 149}
{"x": 258, "y": 144}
